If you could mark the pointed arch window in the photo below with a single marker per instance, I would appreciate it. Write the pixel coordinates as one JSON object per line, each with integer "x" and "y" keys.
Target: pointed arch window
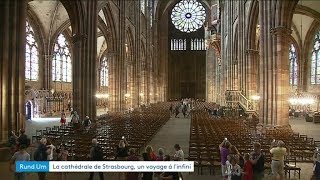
{"x": 315, "y": 60}
{"x": 293, "y": 66}
{"x": 142, "y": 6}
{"x": 61, "y": 62}
{"x": 178, "y": 44}
{"x": 32, "y": 55}
{"x": 104, "y": 72}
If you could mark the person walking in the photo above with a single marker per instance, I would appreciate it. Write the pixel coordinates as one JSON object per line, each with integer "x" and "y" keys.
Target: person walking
{"x": 96, "y": 154}
{"x": 20, "y": 155}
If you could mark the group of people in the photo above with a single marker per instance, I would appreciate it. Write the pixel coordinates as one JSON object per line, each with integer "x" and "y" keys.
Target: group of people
{"x": 184, "y": 106}
{"x": 16, "y": 140}
{"x": 75, "y": 120}
{"x": 251, "y": 165}
{"x": 124, "y": 153}
{"x": 44, "y": 152}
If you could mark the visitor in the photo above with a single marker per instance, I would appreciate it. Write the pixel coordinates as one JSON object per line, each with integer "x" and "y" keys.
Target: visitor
{"x": 247, "y": 170}
{"x": 160, "y": 157}
{"x": 150, "y": 152}
{"x": 122, "y": 150}
{"x": 234, "y": 151}
{"x": 171, "y": 109}
{"x": 20, "y": 155}
{"x": 278, "y": 151}
{"x": 75, "y": 119}
{"x": 50, "y": 148}
{"x": 148, "y": 155}
{"x": 184, "y": 110}
{"x": 224, "y": 152}
{"x": 177, "y": 111}
{"x": 62, "y": 155}
{"x": 63, "y": 119}
{"x": 233, "y": 170}
{"x": 132, "y": 157}
{"x": 316, "y": 166}
{"x": 96, "y": 154}
{"x": 41, "y": 154}
{"x": 257, "y": 160}
{"x": 12, "y": 143}
{"x": 169, "y": 175}
{"x": 21, "y": 139}
{"x": 179, "y": 155}
{"x": 87, "y": 122}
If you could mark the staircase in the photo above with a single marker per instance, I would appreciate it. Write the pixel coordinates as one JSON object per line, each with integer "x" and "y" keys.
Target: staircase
{"x": 235, "y": 98}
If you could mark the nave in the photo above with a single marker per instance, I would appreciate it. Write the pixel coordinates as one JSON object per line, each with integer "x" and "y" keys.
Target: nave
{"x": 184, "y": 131}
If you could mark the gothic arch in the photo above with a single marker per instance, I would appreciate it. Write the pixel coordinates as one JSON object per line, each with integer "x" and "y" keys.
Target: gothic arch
{"x": 35, "y": 23}
{"x": 63, "y": 29}
{"x": 130, "y": 42}
{"x": 76, "y": 12}
{"x": 300, "y": 9}
{"x": 252, "y": 25}
{"x": 308, "y": 46}
{"x": 110, "y": 28}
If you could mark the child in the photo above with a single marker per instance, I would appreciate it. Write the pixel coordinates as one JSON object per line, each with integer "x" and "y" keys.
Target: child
{"x": 233, "y": 169}
{"x": 248, "y": 173}
{"x": 63, "y": 119}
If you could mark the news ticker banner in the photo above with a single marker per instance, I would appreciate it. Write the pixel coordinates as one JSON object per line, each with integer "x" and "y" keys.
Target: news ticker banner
{"x": 104, "y": 166}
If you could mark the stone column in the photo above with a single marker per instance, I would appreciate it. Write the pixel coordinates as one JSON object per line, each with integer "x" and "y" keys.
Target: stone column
{"x": 210, "y": 75}
{"x": 114, "y": 83}
{"x": 252, "y": 71}
{"x": 84, "y": 64}
{"x": 274, "y": 64}
{"x": 12, "y": 64}
{"x": 282, "y": 70}
{"x": 121, "y": 69}
{"x": 222, "y": 67}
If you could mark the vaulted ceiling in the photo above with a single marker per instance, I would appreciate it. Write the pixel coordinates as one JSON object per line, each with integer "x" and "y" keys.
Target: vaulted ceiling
{"x": 52, "y": 15}
{"x": 302, "y": 22}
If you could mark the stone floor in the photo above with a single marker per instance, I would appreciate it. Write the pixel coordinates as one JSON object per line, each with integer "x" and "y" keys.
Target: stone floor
{"x": 176, "y": 130}
{"x": 309, "y": 128}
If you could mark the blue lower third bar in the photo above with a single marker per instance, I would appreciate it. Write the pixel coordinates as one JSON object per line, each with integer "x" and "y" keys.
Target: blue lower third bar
{"x": 32, "y": 166}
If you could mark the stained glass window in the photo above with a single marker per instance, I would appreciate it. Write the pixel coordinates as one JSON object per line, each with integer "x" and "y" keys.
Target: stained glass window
{"x": 293, "y": 65}
{"x": 178, "y": 44}
{"x": 188, "y": 15}
{"x": 32, "y": 55}
{"x": 197, "y": 44}
{"x": 61, "y": 62}
{"x": 104, "y": 72}
{"x": 142, "y": 6}
{"x": 315, "y": 60}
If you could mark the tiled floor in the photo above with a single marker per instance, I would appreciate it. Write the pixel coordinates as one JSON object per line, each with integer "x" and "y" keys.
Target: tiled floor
{"x": 176, "y": 130}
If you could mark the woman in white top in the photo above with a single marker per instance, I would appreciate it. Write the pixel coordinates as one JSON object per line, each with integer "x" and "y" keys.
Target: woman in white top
{"x": 179, "y": 155}
{"x": 51, "y": 149}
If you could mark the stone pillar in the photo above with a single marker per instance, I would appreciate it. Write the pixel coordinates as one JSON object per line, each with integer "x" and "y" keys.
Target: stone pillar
{"x": 121, "y": 69}
{"x": 12, "y": 63}
{"x": 137, "y": 55}
{"x": 252, "y": 71}
{"x": 282, "y": 70}
{"x": 274, "y": 62}
{"x": 242, "y": 64}
{"x": 114, "y": 83}
{"x": 210, "y": 75}
{"x": 222, "y": 68}
{"x": 84, "y": 64}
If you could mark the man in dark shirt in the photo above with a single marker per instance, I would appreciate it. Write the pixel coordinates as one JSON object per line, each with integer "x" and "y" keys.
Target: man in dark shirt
{"x": 22, "y": 139}
{"x": 257, "y": 160}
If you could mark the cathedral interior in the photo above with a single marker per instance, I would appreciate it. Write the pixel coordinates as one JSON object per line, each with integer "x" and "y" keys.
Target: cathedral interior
{"x": 256, "y": 61}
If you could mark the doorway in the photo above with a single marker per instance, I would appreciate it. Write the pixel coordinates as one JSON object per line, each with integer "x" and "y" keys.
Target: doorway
{"x": 29, "y": 112}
